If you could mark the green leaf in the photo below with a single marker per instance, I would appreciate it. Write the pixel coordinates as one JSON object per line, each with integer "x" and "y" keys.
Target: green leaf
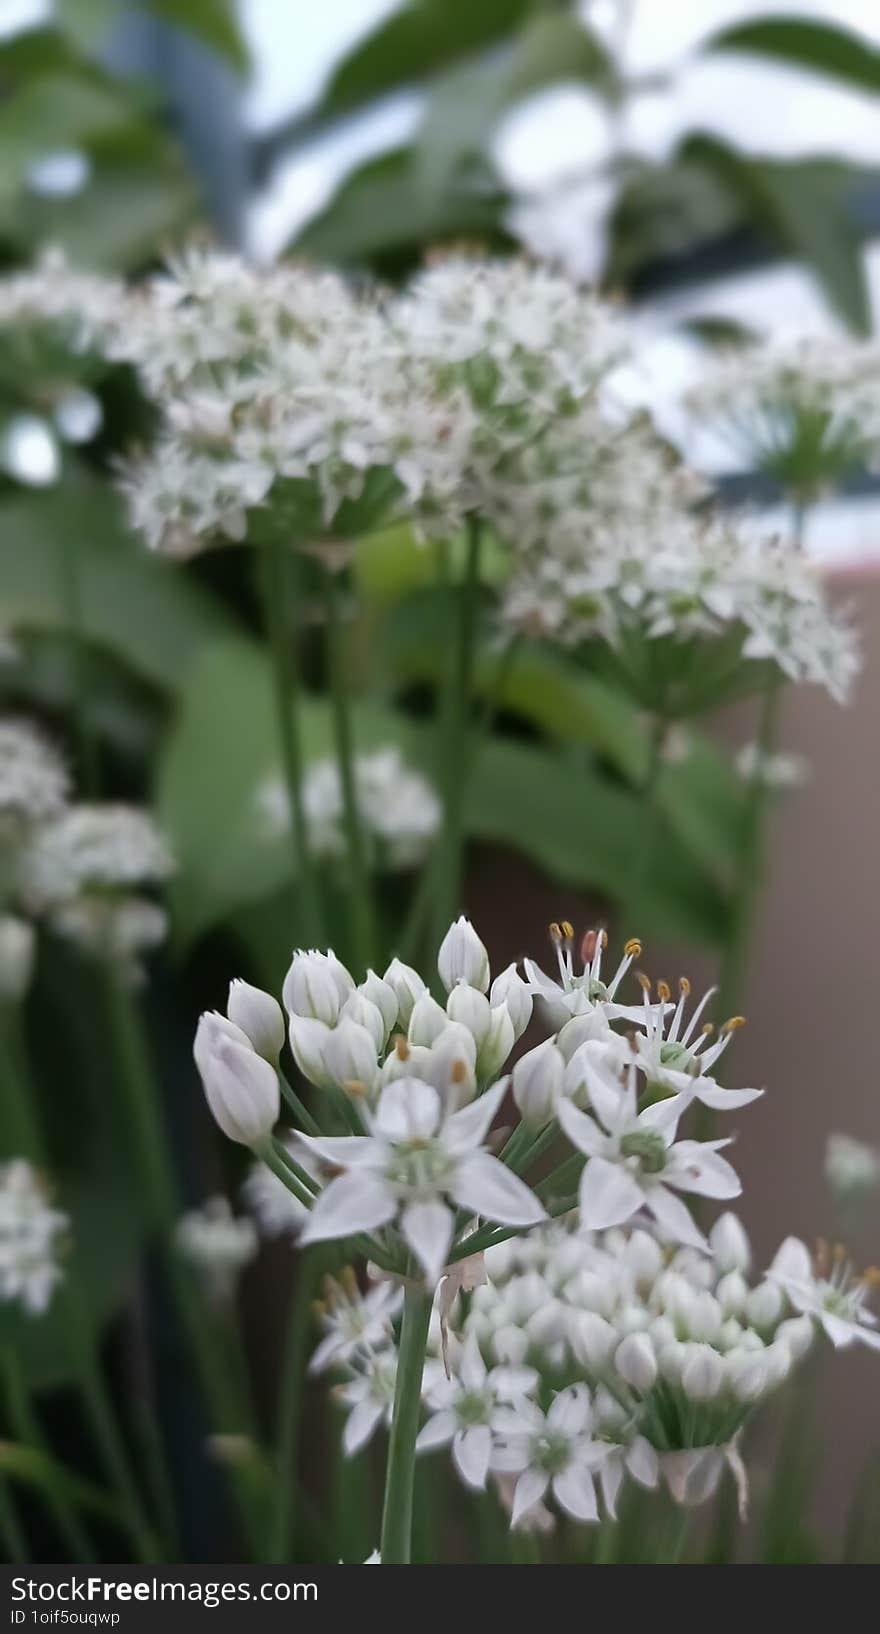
{"x": 416, "y": 42}
{"x": 145, "y": 610}
{"x": 45, "y": 1474}
{"x": 464, "y": 107}
{"x": 802, "y": 204}
{"x": 214, "y": 22}
{"x": 838, "y": 53}
{"x": 56, "y": 110}
{"x": 135, "y": 201}
{"x": 585, "y": 833}
{"x": 382, "y": 209}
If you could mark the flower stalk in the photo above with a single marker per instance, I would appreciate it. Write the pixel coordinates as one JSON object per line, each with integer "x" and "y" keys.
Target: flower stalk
{"x": 455, "y": 737}
{"x": 396, "y": 1545}
{"x": 359, "y": 885}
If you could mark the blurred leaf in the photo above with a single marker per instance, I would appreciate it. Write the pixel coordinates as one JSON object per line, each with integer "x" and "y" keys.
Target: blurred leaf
{"x": 664, "y": 210}
{"x": 464, "y": 107}
{"x": 818, "y": 45}
{"x": 55, "y": 110}
{"x": 417, "y": 41}
{"x": 134, "y": 201}
{"x": 802, "y": 205}
{"x": 214, "y": 22}
{"x": 702, "y": 798}
{"x": 582, "y": 831}
{"x": 45, "y": 1474}
{"x": 382, "y": 209}
{"x": 145, "y": 610}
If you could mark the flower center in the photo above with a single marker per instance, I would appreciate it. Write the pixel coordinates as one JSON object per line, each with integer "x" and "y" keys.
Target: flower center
{"x": 551, "y": 1453}
{"x": 648, "y": 1147}
{"x": 473, "y": 1407}
{"x": 420, "y": 1168}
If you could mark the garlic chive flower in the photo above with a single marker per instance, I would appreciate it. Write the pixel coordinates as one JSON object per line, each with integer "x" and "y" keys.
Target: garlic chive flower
{"x": 31, "y": 1234}
{"x": 34, "y": 782}
{"x": 675, "y": 1057}
{"x": 218, "y": 1245}
{"x": 829, "y": 1291}
{"x": 241, "y": 1088}
{"x": 399, "y": 810}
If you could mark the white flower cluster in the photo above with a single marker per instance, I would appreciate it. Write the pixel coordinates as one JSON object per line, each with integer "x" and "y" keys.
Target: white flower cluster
{"x": 83, "y": 870}
{"x": 779, "y": 772}
{"x": 218, "y": 1245}
{"x": 802, "y": 407}
{"x": 399, "y": 810}
{"x": 645, "y": 591}
{"x": 283, "y": 383}
{"x": 30, "y": 1233}
{"x": 87, "y": 308}
{"x": 34, "y": 781}
{"x": 852, "y": 1167}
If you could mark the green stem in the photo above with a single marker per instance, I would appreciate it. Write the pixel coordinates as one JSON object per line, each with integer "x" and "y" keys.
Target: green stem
{"x": 71, "y": 593}
{"x": 396, "y": 1543}
{"x": 276, "y": 601}
{"x": 632, "y": 907}
{"x": 678, "y": 1533}
{"x": 447, "y": 900}
{"x": 361, "y": 916}
{"x": 15, "y": 1548}
{"x": 293, "y": 1375}
{"x": 27, "y": 1429}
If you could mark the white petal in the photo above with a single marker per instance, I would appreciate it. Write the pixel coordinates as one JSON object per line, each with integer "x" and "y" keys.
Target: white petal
{"x": 695, "y": 1167}
{"x": 610, "y": 1477}
{"x": 664, "y": 1115}
{"x": 674, "y": 1217}
{"x": 470, "y": 1452}
{"x": 345, "y": 1151}
{"x": 724, "y": 1100}
{"x": 609, "y": 1195}
{"x": 408, "y": 1110}
{"x": 484, "y": 1185}
{"x": 643, "y": 1463}
{"x": 356, "y": 1201}
{"x": 582, "y": 1131}
{"x": 574, "y": 1490}
{"x": 438, "y": 1431}
{"x": 427, "y": 1228}
{"x": 792, "y": 1260}
{"x": 607, "y": 1097}
{"x": 569, "y": 1411}
{"x": 469, "y": 1127}
{"x": 530, "y": 1489}
{"x": 360, "y": 1424}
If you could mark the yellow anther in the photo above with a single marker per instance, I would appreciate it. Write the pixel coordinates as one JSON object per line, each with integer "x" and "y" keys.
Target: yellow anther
{"x": 632, "y": 948}
{"x": 603, "y": 939}
{"x": 684, "y": 986}
{"x": 643, "y": 982}
{"x": 401, "y": 1048}
{"x": 871, "y": 1276}
{"x": 459, "y": 1072}
{"x": 348, "y": 1279}
{"x": 354, "y": 1087}
{"x": 707, "y": 1029}
{"x": 664, "y": 992}
{"x": 567, "y": 929}
{"x": 732, "y": 1023}
{"x": 319, "y": 1308}
{"x": 556, "y": 934}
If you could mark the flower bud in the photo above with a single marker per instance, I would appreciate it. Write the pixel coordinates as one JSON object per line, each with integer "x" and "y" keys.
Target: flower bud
{"x": 661, "y": 1332}
{"x": 316, "y": 986}
{"x": 797, "y": 1333}
{"x": 17, "y": 950}
{"x": 471, "y": 1009}
{"x": 451, "y": 1065}
{"x": 350, "y": 1056}
{"x": 702, "y": 1374}
{"x": 406, "y": 984}
{"x": 644, "y": 1257}
{"x": 382, "y": 994}
{"x": 241, "y": 1088}
{"x": 730, "y": 1246}
{"x": 764, "y": 1305}
{"x": 536, "y": 1081}
{"x": 592, "y": 1027}
{"x": 705, "y": 1317}
{"x": 510, "y": 1344}
{"x": 366, "y": 1014}
{"x": 405, "y": 1060}
{"x": 732, "y": 1292}
{"x": 671, "y": 1360}
{"x": 427, "y": 1021}
{"x": 463, "y": 958}
{"x": 778, "y": 1361}
{"x": 591, "y": 1338}
{"x": 497, "y": 1045}
{"x": 308, "y": 1040}
{"x": 510, "y": 989}
{"x": 746, "y": 1373}
{"x": 635, "y": 1361}
{"x": 258, "y": 1015}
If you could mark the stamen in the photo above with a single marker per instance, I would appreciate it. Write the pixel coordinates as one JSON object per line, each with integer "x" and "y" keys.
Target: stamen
{"x": 319, "y": 1308}
{"x": 348, "y": 1279}
{"x": 732, "y": 1023}
{"x": 401, "y": 1047}
{"x": 871, "y": 1276}
{"x": 664, "y": 991}
{"x": 567, "y": 929}
{"x": 632, "y": 948}
{"x": 644, "y": 983}
{"x": 684, "y": 987}
{"x": 458, "y": 1073}
{"x": 354, "y": 1087}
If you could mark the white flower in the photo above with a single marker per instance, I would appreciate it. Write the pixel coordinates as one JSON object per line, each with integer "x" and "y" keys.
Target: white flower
{"x": 463, "y": 958}
{"x": 678, "y": 1065}
{"x": 17, "y": 953}
{"x": 241, "y": 1088}
{"x": 370, "y": 1396}
{"x": 399, "y": 811}
{"x": 510, "y": 990}
{"x": 93, "y": 848}
{"x": 463, "y": 1411}
{"x": 836, "y": 1300}
{"x": 635, "y": 1361}
{"x": 34, "y": 783}
{"x": 576, "y": 995}
{"x": 634, "y": 1159}
{"x": 316, "y": 986}
{"x": 730, "y": 1245}
{"x": 555, "y": 1451}
{"x": 779, "y": 772}
{"x": 536, "y": 1082}
{"x": 414, "y": 1158}
{"x": 852, "y": 1168}
{"x": 217, "y": 1244}
{"x": 278, "y": 1212}
{"x": 354, "y": 1323}
{"x": 29, "y": 1238}
{"x": 407, "y": 986}
{"x": 259, "y": 1016}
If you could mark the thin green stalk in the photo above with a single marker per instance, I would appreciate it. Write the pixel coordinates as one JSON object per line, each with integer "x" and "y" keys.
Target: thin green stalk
{"x": 678, "y": 1534}
{"x": 447, "y": 900}
{"x": 15, "y": 1548}
{"x": 361, "y": 912}
{"x": 26, "y": 1428}
{"x": 490, "y": 1235}
{"x": 631, "y": 908}
{"x": 274, "y": 1155}
{"x": 276, "y": 602}
{"x": 396, "y": 1545}
{"x": 298, "y": 1107}
{"x": 293, "y": 1377}
{"x": 19, "y": 1105}
{"x": 71, "y": 596}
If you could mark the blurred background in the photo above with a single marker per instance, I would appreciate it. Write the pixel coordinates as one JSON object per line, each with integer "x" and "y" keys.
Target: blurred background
{"x": 716, "y": 166}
